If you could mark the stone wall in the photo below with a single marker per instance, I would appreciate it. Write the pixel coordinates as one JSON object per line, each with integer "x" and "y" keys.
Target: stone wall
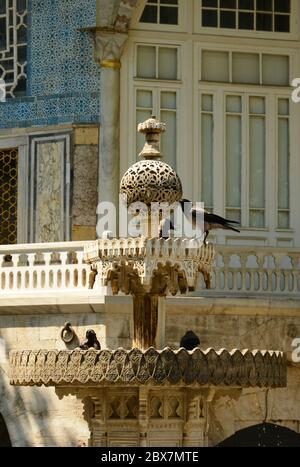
{"x": 36, "y": 416}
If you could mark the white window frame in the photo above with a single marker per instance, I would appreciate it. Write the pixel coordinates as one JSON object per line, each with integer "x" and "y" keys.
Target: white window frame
{"x": 188, "y": 160}
{"x": 293, "y": 34}
{"x": 180, "y": 27}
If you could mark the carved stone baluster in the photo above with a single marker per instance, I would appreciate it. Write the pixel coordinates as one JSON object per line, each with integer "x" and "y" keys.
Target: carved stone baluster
{"x": 226, "y": 260}
{"x": 243, "y": 260}
{"x": 295, "y": 272}
{"x": 63, "y": 257}
{"x": 15, "y": 260}
{"x": 47, "y": 258}
{"x": 260, "y": 258}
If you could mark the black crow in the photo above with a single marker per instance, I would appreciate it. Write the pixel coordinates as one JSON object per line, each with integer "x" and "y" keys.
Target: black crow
{"x": 211, "y": 221}
{"x": 190, "y": 340}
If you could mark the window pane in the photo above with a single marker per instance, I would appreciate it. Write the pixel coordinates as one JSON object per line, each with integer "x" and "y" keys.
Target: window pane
{"x": 264, "y": 5}
{"x": 210, "y": 3}
{"x": 234, "y": 215}
{"x": 257, "y": 156}
{"x": 257, "y": 105}
{"x": 283, "y": 220}
{"x": 282, "y": 23}
{"x": 246, "y": 21}
{"x": 167, "y": 63}
{"x": 283, "y": 163}
{"x": 231, "y": 4}
{"x": 233, "y": 160}
{"x": 168, "y": 100}
{"x": 246, "y": 4}
{"x": 144, "y": 99}
{"x": 283, "y": 6}
{"x": 215, "y": 66}
{"x": 276, "y": 70}
{"x": 207, "y": 102}
{"x": 245, "y": 68}
{"x": 234, "y": 104}
{"x": 207, "y": 159}
{"x": 257, "y": 219}
{"x": 168, "y": 140}
{"x": 146, "y": 62}
{"x": 264, "y": 22}
{"x": 283, "y": 107}
{"x": 210, "y": 18}
{"x": 227, "y": 19}
{"x": 168, "y": 15}
{"x": 149, "y": 14}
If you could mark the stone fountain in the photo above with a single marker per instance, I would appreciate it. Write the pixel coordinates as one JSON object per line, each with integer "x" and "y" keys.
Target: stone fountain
{"x": 149, "y": 395}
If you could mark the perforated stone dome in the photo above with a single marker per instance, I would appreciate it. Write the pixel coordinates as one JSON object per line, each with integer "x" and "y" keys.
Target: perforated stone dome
{"x": 151, "y": 181}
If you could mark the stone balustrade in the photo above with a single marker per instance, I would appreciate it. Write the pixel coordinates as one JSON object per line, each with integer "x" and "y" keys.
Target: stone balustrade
{"x": 43, "y": 267}
{"x": 259, "y": 271}
{"x": 61, "y": 266}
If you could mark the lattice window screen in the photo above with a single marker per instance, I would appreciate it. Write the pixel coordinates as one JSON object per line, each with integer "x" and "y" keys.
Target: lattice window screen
{"x": 13, "y": 46}
{"x": 8, "y": 196}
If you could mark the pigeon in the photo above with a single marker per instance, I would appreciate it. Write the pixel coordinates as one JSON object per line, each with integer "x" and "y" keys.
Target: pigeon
{"x": 166, "y": 227}
{"x": 91, "y": 341}
{"x": 211, "y": 221}
{"x": 190, "y": 340}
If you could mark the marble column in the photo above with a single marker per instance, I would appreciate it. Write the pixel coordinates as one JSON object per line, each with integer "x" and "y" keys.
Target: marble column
{"x": 109, "y": 46}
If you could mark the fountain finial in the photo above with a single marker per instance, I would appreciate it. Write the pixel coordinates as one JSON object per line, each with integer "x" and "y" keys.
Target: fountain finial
{"x": 152, "y": 128}
{"x": 151, "y": 180}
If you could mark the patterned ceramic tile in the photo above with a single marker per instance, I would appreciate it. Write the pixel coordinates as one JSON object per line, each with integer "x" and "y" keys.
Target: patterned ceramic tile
{"x": 63, "y": 79}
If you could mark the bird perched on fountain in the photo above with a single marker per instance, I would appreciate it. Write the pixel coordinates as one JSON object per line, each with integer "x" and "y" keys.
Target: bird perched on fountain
{"x": 211, "y": 221}
{"x": 190, "y": 341}
{"x": 91, "y": 341}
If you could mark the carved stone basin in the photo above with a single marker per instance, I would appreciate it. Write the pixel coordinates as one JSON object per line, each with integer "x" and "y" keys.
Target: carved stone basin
{"x": 197, "y": 368}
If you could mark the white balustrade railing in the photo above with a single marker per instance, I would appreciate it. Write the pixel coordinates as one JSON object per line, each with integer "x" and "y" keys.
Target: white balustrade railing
{"x": 41, "y": 267}
{"x": 259, "y": 271}
{"x": 60, "y": 267}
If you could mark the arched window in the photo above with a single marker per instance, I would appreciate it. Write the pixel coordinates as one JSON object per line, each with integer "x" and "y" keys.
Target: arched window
{"x": 4, "y": 435}
{"x": 264, "y": 435}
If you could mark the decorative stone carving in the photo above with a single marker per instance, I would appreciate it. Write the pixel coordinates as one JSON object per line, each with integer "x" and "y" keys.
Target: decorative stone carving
{"x": 151, "y": 181}
{"x": 109, "y": 45}
{"x": 182, "y": 368}
{"x": 181, "y": 258}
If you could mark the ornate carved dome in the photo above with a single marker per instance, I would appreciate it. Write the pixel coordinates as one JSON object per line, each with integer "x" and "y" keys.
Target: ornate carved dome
{"x": 151, "y": 180}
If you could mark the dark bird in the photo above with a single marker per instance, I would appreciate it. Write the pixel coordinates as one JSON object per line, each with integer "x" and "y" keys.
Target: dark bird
{"x": 166, "y": 227}
{"x": 211, "y": 221}
{"x": 190, "y": 341}
{"x": 91, "y": 341}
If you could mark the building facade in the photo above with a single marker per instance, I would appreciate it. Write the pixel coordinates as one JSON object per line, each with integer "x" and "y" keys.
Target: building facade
{"x": 78, "y": 77}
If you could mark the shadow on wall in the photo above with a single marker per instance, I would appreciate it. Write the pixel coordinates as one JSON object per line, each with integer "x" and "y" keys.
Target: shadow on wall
{"x": 4, "y": 436}
{"x": 263, "y": 435}
{"x": 27, "y": 417}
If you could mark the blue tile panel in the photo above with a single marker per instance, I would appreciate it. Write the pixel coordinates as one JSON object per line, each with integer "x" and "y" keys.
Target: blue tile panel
{"x": 63, "y": 79}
